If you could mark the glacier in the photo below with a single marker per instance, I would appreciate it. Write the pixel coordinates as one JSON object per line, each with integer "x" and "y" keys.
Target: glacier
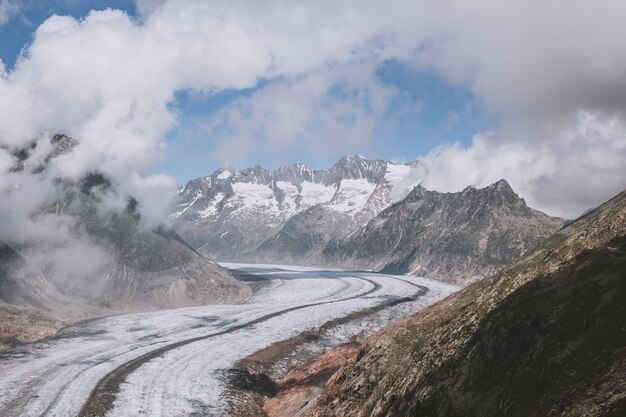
{"x": 55, "y": 377}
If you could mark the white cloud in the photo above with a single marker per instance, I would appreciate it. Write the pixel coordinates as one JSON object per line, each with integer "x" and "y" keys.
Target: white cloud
{"x": 150, "y": 191}
{"x": 8, "y": 9}
{"x": 107, "y": 79}
{"x": 573, "y": 169}
{"x": 328, "y": 112}
{"x": 551, "y": 71}
{"x": 147, "y": 7}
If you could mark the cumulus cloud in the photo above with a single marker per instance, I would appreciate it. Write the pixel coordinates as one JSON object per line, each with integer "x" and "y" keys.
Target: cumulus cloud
{"x": 539, "y": 59}
{"x": 150, "y": 190}
{"x": 552, "y": 72}
{"x": 147, "y": 7}
{"x": 328, "y": 112}
{"x": 574, "y": 168}
{"x": 107, "y": 79}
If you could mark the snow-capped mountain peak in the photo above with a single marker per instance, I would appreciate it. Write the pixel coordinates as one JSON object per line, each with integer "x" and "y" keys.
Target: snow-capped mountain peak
{"x": 251, "y": 205}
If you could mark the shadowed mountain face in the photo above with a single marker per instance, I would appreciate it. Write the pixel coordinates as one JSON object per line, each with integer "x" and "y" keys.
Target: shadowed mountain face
{"x": 360, "y": 214}
{"x": 152, "y": 268}
{"x": 450, "y": 236}
{"x": 21, "y": 284}
{"x": 9, "y": 261}
{"x": 543, "y": 337}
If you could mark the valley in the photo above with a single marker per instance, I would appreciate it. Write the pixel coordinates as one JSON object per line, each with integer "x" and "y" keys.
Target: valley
{"x": 178, "y": 362}
{"x": 312, "y": 209}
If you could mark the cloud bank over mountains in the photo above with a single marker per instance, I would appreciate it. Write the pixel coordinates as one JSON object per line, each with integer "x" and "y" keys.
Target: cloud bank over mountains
{"x": 551, "y": 73}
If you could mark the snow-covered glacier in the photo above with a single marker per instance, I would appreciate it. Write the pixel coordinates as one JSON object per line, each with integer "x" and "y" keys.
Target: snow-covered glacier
{"x": 172, "y": 362}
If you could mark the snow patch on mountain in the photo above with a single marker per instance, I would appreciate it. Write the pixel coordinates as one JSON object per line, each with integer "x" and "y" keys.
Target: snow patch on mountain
{"x": 402, "y": 179}
{"x": 187, "y": 206}
{"x": 224, "y": 175}
{"x": 313, "y": 193}
{"x": 352, "y": 196}
{"x": 251, "y": 196}
{"x": 212, "y": 209}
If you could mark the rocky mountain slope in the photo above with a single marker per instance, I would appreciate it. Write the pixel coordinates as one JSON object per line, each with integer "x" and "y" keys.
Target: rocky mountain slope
{"x": 139, "y": 267}
{"x": 450, "y": 236}
{"x": 151, "y": 268}
{"x": 147, "y": 270}
{"x": 545, "y": 337}
{"x": 31, "y": 307}
{"x": 23, "y": 297}
{"x": 361, "y": 213}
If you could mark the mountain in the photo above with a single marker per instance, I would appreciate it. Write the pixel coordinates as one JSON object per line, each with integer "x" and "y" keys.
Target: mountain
{"x": 150, "y": 268}
{"x": 363, "y": 214}
{"x": 138, "y": 267}
{"x": 22, "y": 284}
{"x": 146, "y": 270}
{"x": 27, "y": 300}
{"x": 450, "y": 236}
{"x": 544, "y": 337}
{"x": 230, "y": 214}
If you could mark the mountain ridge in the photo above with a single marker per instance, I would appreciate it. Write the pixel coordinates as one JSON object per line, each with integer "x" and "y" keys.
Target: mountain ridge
{"x": 466, "y": 235}
{"x": 297, "y": 215}
{"x": 214, "y": 211}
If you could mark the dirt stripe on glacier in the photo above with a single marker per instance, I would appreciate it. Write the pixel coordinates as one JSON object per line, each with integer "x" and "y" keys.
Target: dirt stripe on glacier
{"x": 266, "y": 365}
{"x": 103, "y": 396}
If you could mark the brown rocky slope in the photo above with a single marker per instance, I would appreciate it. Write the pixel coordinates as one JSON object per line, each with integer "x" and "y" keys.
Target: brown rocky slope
{"x": 544, "y": 337}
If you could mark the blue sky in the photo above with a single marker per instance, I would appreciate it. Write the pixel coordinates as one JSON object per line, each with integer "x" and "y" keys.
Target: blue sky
{"x": 427, "y": 112}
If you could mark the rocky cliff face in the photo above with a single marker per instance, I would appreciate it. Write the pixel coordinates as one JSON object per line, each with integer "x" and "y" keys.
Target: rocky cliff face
{"x": 545, "y": 337}
{"x": 360, "y": 214}
{"x": 458, "y": 237}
